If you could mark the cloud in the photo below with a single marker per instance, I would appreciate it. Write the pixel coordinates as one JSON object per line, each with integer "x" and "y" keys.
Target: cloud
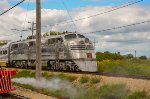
{"x": 125, "y": 39}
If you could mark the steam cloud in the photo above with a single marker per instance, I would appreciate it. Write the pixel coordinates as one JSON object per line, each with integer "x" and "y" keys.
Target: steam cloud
{"x": 51, "y": 85}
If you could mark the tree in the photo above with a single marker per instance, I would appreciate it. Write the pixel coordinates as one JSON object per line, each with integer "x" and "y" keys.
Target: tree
{"x": 129, "y": 56}
{"x": 108, "y": 56}
{"x": 106, "y": 52}
{"x": 51, "y": 33}
{"x": 143, "y": 57}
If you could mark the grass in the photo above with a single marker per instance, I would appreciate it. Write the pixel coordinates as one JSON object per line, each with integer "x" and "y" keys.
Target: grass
{"x": 84, "y": 79}
{"x": 116, "y": 91}
{"x": 24, "y": 73}
{"x": 66, "y": 77}
{"x": 139, "y": 95}
{"x": 94, "y": 80}
{"x": 131, "y": 67}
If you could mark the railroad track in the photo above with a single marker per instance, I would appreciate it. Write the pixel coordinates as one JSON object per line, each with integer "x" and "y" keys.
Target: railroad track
{"x": 12, "y": 96}
{"x": 102, "y": 74}
{"x": 108, "y": 74}
{"x": 121, "y": 75}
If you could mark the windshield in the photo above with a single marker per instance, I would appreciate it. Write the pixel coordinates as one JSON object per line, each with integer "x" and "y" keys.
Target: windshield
{"x": 81, "y": 36}
{"x": 70, "y": 36}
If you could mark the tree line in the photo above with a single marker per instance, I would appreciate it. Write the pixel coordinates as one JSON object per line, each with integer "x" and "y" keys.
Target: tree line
{"x": 115, "y": 56}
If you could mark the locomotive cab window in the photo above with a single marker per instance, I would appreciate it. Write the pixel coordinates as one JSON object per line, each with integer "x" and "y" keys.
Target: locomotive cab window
{"x": 14, "y": 46}
{"x": 60, "y": 39}
{"x": 1, "y": 52}
{"x": 5, "y": 52}
{"x": 32, "y": 43}
{"x": 54, "y": 40}
{"x": 80, "y": 36}
{"x": 70, "y": 36}
{"x": 21, "y": 45}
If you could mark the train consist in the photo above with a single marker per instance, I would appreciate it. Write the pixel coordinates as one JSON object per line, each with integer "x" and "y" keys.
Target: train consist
{"x": 67, "y": 52}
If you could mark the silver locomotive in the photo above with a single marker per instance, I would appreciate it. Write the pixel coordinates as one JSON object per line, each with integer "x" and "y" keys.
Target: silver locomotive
{"x": 66, "y": 52}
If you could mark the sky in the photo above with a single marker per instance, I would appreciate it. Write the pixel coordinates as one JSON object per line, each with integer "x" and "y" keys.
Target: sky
{"x": 124, "y": 40}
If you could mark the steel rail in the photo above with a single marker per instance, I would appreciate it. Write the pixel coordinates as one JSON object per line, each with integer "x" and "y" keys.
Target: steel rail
{"x": 12, "y": 96}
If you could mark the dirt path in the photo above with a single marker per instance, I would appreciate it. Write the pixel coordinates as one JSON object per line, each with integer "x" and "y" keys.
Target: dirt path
{"x": 31, "y": 94}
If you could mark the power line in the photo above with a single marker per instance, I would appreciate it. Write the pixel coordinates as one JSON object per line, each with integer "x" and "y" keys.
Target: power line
{"x": 12, "y": 7}
{"x": 114, "y": 28}
{"x": 69, "y": 13}
{"x": 103, "y": 13}
{"x": 111, "y": 10}
{"x": 26, "y": 13}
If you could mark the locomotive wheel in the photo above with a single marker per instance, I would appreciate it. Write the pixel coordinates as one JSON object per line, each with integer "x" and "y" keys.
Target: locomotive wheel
{"x": 76, "y": 68}
{"x": 67, "y": 68}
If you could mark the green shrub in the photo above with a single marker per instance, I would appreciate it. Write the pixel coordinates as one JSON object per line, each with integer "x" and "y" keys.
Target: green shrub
{"x": 24, "y": 73}
{"x": 130, "y": 67}
{"x": 71, "y": 78}
{"x": 118, "y": 91}
{"x": 84, "y": 79}
{"x": 66, "y": 77}
{"x": 139, "y": 95}
{"x": 45, "y": 74}
{"x": 94, "y": 80}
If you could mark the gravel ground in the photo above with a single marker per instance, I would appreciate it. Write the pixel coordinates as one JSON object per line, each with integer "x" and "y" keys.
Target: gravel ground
{"x": 31, "y": 94}
{"x": 133, "y": 84}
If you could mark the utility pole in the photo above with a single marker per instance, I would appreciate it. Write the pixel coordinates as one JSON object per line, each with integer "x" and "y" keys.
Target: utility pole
{"x": 32, "y": 28}
{"x": 95, "y": 43}
{"x": 135, "y": 53}
{"x": 38, "y": 39}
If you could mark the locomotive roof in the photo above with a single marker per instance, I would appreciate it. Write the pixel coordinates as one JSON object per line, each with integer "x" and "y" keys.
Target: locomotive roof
{"x": 43, "y": 39}
{"x": 60, "y": 35}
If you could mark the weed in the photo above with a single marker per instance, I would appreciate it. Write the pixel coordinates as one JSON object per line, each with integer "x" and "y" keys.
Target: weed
{"x": 45, "y": 74}
{"x": 24, "y": 73}
{"x": 139, "y": 95}
{"x": 66, "y": 77}
{"x": 94, "y": 80}
{"x": 118, "y": 91}
{"x": 84, "y": 79}
{"x": 130, "y": 67}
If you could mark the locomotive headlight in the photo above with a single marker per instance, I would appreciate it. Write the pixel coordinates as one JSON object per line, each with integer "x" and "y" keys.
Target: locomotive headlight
{"x": 90, "y": 42}
{"x": 72, "y": 43}
{"x": 86, "y": 40}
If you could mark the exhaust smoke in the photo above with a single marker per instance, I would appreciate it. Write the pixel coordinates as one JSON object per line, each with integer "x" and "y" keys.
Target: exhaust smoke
{"x": 52, "y": 85}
